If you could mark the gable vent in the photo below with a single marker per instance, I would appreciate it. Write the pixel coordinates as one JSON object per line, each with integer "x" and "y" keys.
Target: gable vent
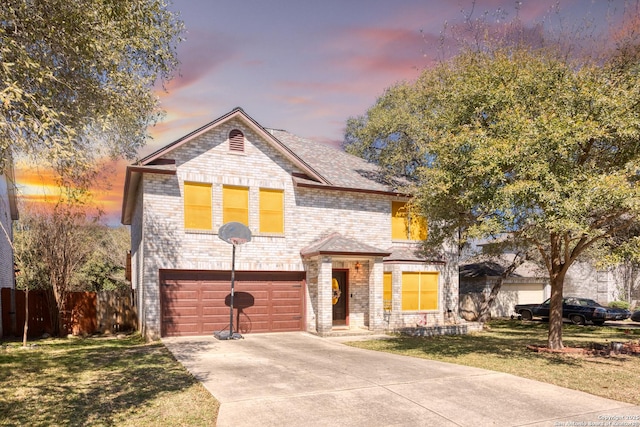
{"x": 236, "y": 141}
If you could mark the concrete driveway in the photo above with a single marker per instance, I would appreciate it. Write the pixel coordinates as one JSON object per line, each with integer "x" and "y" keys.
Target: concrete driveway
{"x": 298, "y": 379}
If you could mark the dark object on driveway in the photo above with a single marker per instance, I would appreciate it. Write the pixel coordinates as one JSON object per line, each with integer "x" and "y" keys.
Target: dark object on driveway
{"x": 636, "y": 316}
{"x": 578, "y": 310}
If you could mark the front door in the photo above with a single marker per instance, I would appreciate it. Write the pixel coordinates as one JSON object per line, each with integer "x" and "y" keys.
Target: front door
{"x": 339, "y": 296}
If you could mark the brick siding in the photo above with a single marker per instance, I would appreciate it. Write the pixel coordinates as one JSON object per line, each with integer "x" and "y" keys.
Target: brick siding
{"x": 160, "y": 241}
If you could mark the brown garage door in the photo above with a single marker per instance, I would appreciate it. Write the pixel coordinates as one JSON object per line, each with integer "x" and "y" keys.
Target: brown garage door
{"x": 196, "y": 302}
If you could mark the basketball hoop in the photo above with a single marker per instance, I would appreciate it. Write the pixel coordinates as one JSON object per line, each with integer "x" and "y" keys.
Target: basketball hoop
{"x": 236, "y": 234}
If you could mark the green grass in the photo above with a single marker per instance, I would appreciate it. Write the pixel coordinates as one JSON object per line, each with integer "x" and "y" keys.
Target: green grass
{"x": 127, "y": 382}
{"x": 503, "y": 348}
{"x": 99, "y": 381}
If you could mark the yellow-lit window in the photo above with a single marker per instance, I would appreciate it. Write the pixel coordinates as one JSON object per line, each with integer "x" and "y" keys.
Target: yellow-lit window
{"x": 419, "y": 291}
{"x": 387, "y": 293}
{"x": 235, "y": 204}
{"x": 197, "y": 206}
{"x": 404, "y": 225}
{"x": 271, "y": 211}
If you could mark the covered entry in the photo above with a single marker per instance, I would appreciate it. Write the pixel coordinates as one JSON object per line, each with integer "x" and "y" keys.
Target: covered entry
{"x": 196, "y": 302}
{"x": 344, "y": 283}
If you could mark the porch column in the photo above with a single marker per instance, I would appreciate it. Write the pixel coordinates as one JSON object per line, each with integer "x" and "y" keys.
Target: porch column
{"x": 324, "y": 318}
{"x": 376, "y": 310}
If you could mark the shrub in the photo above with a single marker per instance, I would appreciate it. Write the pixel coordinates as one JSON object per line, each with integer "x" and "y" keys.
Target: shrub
{"x": 619, "y": 304}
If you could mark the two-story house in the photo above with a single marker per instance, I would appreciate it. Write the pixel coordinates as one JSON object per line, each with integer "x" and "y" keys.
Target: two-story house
{"x": 332, "y": 246}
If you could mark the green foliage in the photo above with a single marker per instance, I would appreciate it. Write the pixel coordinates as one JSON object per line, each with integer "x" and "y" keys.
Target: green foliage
{"x": 76, "y": 76}
{"x": 513, "y": 140}
{"x": 620, "y": 304}
{"x": 104, "y": 269}
{"x": 65, "y": 246}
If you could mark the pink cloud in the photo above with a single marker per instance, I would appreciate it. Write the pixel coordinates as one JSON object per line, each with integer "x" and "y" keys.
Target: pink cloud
{"x": 316, "y": 86}
{"x": 380, "y": 50}
{"x": 200, "y": 54}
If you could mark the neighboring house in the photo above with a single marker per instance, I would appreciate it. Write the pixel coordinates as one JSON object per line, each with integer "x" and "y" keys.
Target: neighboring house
{"x": 8, "y": 214}
{"x": 530, "y": 284}
{"x": 527, "y": 285}
{"x": 332, "y": 245}
{"x": 584, "y": 280}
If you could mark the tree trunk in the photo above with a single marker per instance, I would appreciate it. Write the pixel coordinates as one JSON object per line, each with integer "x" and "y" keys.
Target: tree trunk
{"x": 487, "y": 302}
{"x": 555, "y": 313}
{"x": 26, "y": 316}
{"x": 485, "y": 309}
{"x": 54, "y": 312}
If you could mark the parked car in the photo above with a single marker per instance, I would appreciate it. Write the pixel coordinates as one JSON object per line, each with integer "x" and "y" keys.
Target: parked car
{"x": 636, "y": 316}
{"x": 577, "y": 310}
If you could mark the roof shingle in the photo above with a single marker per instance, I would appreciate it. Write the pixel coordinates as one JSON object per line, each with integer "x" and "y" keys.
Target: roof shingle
{"x": 339, "y": 168}
{"x": 336, "y": 243}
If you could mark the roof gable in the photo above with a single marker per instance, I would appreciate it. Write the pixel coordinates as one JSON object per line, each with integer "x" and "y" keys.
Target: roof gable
{"x": 236, "y": 113}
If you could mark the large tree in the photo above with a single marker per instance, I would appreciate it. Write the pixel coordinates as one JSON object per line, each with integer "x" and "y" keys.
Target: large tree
{"x": 526, "y": 142}
{"x": 63, "y": 248}
{"x": 77, "y": 77}
{"x": 53, "y": 243}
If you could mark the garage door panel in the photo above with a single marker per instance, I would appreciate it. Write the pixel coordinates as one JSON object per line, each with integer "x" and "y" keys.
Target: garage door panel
{"x": 285, "y": 301}
{"x": 182, "y": 294}
{"x": 258, "y": 296}
{"x": 285, "y": 310}
{"x": 215, "y": 311}
{"x": 256, "y": 310}
{"x": 286, "y": 293}
{"x": 194, "y": 304}
{"x": 184, "y": 312}
{"x": 530, "y": 293}
{"x": 214, "y": 294}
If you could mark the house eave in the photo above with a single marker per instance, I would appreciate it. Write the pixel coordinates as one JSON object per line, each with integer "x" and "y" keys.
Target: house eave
{"x": 298, "y": 183}
{"x": 131, "y": 183}
{"x": 345, "y": 253}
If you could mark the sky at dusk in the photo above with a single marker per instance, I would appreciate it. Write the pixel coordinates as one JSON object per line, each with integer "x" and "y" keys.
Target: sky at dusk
{"x": 303, "y": 66}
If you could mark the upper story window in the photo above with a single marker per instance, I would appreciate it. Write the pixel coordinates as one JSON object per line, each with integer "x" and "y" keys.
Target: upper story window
{"x": 235, "y": 204}
{"x": 404, "y": 225}
{"x": 197, "y": 206}
{"x": 236, "y": 141}
{"x": 271, "y": 211}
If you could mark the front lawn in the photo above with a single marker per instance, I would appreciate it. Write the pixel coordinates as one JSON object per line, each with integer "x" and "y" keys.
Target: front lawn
{"x": 99, "y": 381}
{"x": 503, "y": 348}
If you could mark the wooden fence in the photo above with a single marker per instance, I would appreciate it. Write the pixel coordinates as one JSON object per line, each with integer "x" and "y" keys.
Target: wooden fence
{"x": 87, "y": 313}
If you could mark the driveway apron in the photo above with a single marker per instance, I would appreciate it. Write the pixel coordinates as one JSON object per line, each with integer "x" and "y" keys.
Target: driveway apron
{"x": 299, "y": 379}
